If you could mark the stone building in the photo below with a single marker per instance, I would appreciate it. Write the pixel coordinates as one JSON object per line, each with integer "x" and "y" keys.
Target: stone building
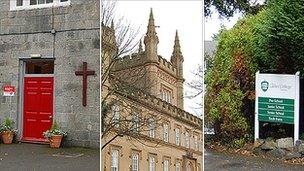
{"x": 162, "y": 135}
{"x": 42, "y": 44}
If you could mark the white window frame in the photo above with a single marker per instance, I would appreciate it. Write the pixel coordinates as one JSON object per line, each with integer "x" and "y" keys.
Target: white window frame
{"x": 151, "y": 163}
{"x": 113, "y": 167}
{"x": 135, "y": 162}
{"x": 166, "y": 132}
{"x": 26, "y": 5}
{"x": 151, "y": 128}
{"x": 187, "y": 139}
{"x": 177, "y": 136}
{"x": 177, "y": 166}
{"x": 135, "y": 122}
{"x": 196, "y": 142}
{"x": 166, "y": 165}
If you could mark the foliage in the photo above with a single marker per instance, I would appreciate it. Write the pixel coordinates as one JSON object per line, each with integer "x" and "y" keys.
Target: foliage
{"x": 226, "y": 8}
{"x": 230, "y": 83}
{"x": 271, "y": 41}
{"x": 302, "y": 137}
{"x": 55, "y": 130}
{"x": 279, "y": 44}
{"x": 7, "y": 125}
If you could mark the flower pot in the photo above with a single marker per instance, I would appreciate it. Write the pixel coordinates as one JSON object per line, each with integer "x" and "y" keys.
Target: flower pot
{"x": 55, "y": 141}
{"x": 7, "y": 137}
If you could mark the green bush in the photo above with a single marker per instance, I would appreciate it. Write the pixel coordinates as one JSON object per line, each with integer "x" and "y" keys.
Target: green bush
{"x": 271, "y": 41}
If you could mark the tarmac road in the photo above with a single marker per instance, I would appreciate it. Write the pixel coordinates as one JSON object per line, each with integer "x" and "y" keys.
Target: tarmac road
{"x": 35, "y": 157}
{"x": 215, "y": 161}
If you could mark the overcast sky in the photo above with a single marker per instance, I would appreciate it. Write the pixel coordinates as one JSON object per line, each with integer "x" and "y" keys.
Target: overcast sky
{"x": 187, "y": 18}
{"x": 214, "y": 23}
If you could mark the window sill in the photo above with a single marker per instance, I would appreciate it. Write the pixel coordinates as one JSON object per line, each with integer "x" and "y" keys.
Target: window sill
{"x": 41, "y": 6}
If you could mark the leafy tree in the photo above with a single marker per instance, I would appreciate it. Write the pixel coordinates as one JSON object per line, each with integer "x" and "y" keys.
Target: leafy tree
{"x": 271, "y": 41}
{"x": 280, "y": 39}
{"x": 226, "y": 8}
{"x": 230, "y": 83}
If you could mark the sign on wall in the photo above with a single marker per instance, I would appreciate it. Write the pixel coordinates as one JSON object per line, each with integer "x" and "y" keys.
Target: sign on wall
{"x": 277, "y": 100}
{"x": 8, "y": 90}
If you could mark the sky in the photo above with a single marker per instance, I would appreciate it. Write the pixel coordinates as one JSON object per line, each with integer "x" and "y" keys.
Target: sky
{"x": 214, "y": 23}
{"x": 187, "y": 18}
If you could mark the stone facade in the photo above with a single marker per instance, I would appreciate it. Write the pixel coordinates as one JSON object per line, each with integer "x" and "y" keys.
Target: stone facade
{"x": 150, "y": 102}
{"x": 70, "y": 35}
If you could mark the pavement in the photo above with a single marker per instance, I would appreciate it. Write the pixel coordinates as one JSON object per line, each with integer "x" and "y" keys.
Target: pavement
{"x": 215, "y": 161}
{"x": 36, "y": 157}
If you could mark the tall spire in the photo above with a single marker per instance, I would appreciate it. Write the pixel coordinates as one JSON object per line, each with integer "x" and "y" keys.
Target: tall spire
{"x": 151, "y": 40}
{"x": 176, "y": 47}
{"x": 177, "y": 58}
{"x": 151, "y": 27}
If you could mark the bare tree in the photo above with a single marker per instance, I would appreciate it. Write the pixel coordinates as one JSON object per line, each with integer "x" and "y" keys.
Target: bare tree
{"x": 120, "y": 115}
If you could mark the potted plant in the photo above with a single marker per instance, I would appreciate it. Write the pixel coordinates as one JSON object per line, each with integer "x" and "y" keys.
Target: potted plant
{"x": 54, "y": 135}
{"x": 7, "y": 131}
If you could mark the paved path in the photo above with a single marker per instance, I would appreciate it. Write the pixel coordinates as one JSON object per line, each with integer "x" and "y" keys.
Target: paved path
{"x": 215, "y": 161}
{"x": 34, "y": 157}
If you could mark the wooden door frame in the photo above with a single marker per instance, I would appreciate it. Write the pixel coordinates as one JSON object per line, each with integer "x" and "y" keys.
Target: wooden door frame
{"x": 22, "y": 67}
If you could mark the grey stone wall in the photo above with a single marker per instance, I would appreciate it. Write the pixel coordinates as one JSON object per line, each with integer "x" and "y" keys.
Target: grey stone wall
{"x": 76, "y": 40}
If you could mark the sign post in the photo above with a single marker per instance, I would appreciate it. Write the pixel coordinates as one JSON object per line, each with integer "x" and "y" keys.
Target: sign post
{"x": 277, "y": 100}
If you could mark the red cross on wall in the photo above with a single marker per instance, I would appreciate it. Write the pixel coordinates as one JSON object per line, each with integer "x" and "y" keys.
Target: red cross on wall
{"x": 84, "y": 73}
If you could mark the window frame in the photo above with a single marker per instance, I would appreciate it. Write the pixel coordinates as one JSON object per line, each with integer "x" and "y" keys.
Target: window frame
{"x": 132, "y": 161}
{"x": 187, "y": 139}
{"x": 152, "y": 126}
{"x": 177, "y": 138}
{"x": 135, "y": 122}
{"x": 166, "y": 132}
{"x": 26, "y": 5}
{"x": 154, "y": 163}
{"x": 178, "y": 163}
{"x": 116, "y": 114}
{"x": 168, "y": 164}
{"x": 117, "y": 150}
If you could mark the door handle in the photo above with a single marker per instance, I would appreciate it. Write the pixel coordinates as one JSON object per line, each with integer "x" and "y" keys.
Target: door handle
{"x": 50, "y": 117}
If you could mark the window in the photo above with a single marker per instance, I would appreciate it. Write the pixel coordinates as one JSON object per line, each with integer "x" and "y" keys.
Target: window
{"x": 135, "y": 122}
{"x": 151, "y": 163}
{"x": 166, "y": 132}
{"x": 115, "y": 116}
{"x": 166, "y": 165}
{"x": 195, "y": 142}
{"x": 187, "y": 139}
{"x": 177, "y": 166}
{"x": 39, "y": 67}
{"x": 135, "y": 158}
{"x": 177, "y": 136}
{"x": 114, "y": 160}
{"x": 166, "y": 94}
{"x": 31, "y": 4}
{"x": 151, "y": 128}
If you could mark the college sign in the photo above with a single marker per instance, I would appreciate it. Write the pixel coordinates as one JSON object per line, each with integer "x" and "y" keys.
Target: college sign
{"x": 277, "y": 100}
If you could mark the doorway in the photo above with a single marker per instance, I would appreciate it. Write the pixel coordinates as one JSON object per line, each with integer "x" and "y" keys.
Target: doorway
{"x": 38, "y": 99}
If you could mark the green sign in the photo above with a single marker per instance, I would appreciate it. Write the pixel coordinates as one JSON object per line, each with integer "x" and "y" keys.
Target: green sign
{"x": 277, "y": 110}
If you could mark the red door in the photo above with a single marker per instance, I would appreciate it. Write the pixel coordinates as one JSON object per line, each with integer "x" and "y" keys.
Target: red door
{"x": 38, "y": 107}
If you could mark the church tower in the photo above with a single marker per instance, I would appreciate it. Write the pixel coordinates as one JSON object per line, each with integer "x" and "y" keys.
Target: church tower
{"x": 177, "y": 62}
{"x": 151, "y": 40}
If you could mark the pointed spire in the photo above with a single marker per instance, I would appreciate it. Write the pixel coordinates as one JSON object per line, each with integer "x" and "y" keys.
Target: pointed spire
{"x": 151, "y": 27}
{"x": 140, "y": 49}
{"x": 176, "y": 47}
{"x": 151, "y": 40}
